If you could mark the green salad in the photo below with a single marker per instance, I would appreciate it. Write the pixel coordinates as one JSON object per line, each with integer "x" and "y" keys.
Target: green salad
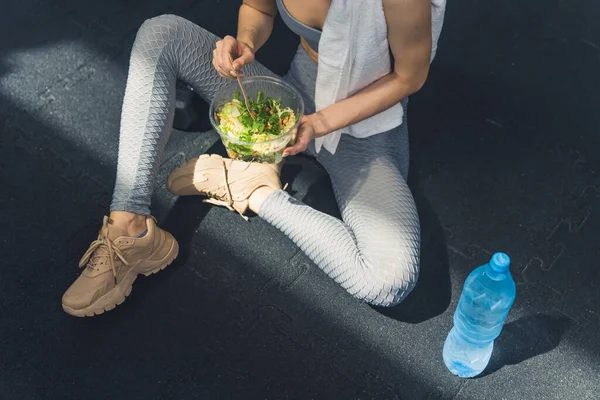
{"x": 272, "y": 121}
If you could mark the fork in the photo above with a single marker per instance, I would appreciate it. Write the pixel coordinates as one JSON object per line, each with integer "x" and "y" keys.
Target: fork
{"x": 242, "y": 88}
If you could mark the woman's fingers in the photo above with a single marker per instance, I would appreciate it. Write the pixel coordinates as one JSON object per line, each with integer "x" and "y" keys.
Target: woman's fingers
{"x": 300, "y": 146}
{"x": 295, "y": 149}
{"x": 228, "y": 51}
{"x": 230, "y": 56}
{"x": 221, "y": 57}
{"x": 215, "y": 61}
{"x": 306, "y": 134}
{"x": 220, "y": 70}
{"x": 246, "y": 57}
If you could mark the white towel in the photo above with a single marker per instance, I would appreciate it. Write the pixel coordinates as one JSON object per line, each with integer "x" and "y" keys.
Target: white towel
{"x": 353, "y": 53}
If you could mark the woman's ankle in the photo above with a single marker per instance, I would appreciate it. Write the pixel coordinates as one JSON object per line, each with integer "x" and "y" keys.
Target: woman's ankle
{"x": 258, "y": 197}
{"x": 133, "y": 224}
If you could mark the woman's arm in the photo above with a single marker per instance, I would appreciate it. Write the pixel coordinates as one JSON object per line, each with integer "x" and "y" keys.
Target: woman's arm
{"x": 409, "y": 35}
{"x": 255, "y": 22}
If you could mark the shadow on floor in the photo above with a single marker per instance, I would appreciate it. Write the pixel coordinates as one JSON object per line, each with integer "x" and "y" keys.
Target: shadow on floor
{"x": 526, "y": 338}
{"x": 182, "y": 221}
{"x": 184, "y": 218}
{"x": 320, "y": 194}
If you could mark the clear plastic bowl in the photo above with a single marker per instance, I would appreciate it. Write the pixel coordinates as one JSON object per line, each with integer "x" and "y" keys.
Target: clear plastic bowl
{"x": 268, "y": 151}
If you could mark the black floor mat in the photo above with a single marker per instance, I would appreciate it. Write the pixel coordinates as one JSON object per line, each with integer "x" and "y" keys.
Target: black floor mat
{"x": 504, "y": 145}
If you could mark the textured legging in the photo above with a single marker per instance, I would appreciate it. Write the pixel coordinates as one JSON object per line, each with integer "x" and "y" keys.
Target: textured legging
{"x": 373, "y": 253}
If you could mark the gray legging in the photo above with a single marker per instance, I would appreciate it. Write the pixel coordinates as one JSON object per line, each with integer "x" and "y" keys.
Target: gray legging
{"x": 373, "y": 253}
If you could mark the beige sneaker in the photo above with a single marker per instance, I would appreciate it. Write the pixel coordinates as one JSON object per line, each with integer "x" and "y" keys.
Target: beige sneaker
{"x": 112, "y": 263}
{"x": 224, "y": 181}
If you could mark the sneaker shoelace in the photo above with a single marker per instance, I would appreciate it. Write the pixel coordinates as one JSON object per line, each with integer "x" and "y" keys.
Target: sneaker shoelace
{"x": 226, "y": 202}
{"x": 107, "y": 245}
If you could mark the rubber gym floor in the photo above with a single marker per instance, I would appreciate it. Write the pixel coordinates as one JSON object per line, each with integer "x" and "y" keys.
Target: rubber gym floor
{"x": 504, "y": 145}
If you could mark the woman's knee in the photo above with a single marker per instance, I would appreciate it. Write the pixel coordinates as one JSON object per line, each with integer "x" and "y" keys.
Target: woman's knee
{"x": 161, "y": 29}
{"x": 164, "y": 21}
{"x": 392, "y": 284}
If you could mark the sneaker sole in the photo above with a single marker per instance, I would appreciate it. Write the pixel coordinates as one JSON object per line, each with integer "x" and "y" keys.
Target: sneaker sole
{"x": 120, "y": 292}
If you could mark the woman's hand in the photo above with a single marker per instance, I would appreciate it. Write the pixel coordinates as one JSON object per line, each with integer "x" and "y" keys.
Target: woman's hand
{"x": 241, "y": 53}
{"x": 306, "y": 133}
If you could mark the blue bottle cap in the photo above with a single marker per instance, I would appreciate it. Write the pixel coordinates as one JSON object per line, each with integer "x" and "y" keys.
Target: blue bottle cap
{"x": 500, "y": 262}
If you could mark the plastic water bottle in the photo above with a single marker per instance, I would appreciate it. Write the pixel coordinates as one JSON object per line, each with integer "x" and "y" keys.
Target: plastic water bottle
{"x": 488, "y": 294}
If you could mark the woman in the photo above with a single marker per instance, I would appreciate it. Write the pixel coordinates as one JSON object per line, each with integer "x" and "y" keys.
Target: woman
{"x": 373, "y": 253}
